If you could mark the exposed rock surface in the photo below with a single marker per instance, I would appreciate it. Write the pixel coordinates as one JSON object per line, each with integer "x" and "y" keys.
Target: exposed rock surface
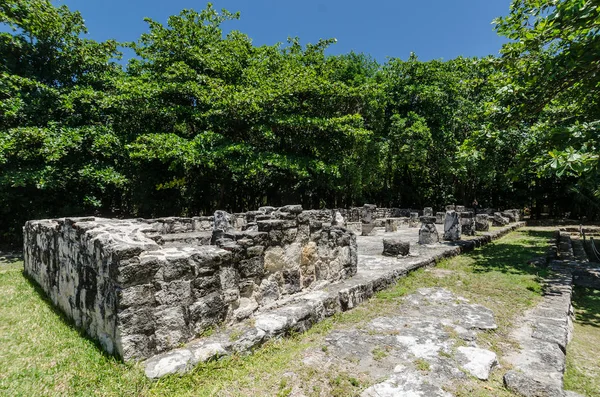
{"x": 414, "y": 348}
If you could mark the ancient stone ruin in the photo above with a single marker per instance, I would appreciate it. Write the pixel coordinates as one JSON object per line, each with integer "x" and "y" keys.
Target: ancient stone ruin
{"x": 144, "y": 286}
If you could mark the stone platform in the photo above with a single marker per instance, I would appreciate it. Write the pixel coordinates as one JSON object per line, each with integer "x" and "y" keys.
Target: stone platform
{"x": 299, "y": 312}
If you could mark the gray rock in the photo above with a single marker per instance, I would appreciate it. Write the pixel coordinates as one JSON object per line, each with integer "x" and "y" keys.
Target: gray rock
{"x": 477, "y": 362}
{"x": 452, "y": 227}
{"x": 482, "y": 222}
{"x": 428, "y": 211}
{"x": 467, "y": 223}
{"x": 525, "y": 386}
{"x": 223, "y": 221}
{"x": 440, "y": 217}
{"x": 428, "y": 233}
{"x": 499, "y": 220}
{"x": 413, "y": 221}
{"x": 338, "y": 219}
{"x": 367, "y": 229}
{"x": 460, "y": 208}
{"x": 173, "y": 362}
{"x": 391, "y": 225}
{"x": 368, "y": 213}
{"x": 394, "y": 247}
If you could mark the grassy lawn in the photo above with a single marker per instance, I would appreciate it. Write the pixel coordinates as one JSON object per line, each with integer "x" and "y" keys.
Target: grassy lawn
{"x": 583, "y": 360}
{"x": 42, "y": 354}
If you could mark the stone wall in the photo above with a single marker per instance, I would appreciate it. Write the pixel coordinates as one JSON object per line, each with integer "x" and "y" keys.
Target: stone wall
{"x": 141, "y": 287}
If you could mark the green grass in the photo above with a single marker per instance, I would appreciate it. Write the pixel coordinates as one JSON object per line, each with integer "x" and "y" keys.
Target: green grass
{"x": 583, "y": 361}
{"x": 42, "y": 354}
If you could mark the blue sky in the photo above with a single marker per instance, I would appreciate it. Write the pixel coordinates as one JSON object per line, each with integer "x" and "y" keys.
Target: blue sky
{"x": 433, "y": 29}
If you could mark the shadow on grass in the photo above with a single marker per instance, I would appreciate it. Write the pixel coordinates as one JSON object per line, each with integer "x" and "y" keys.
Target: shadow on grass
{"x": 10, "y": 258}
{"x": 586, "y": 302}
{"x": 64, "y": 319}
{"x": 512, "y": 258}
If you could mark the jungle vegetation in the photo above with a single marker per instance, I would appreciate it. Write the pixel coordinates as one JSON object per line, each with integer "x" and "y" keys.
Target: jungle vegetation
{"x": 200, "y": 120}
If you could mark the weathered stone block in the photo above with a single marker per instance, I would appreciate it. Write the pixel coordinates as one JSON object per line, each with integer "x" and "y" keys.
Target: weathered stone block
{"x": 499, "y": 220}
{"x": 440, "y": 217}
{"x": 452, "y": 227}
{"x": 413, "y": 221}
{"x": 394, "y": 247}
{"x": 368, "y": 215}
{"x": 467, "y": 223}
{"x": 428, "y": 233}
{"x": 367, "y": 229}
{"x": 428, "y": 211}
{"x": 391, "y": 225}
{"x": 482, "y": 222}
{"x": 139, "y": 289}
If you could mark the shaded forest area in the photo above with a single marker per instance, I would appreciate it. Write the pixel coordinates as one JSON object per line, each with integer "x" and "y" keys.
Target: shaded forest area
{"x": 201, "y": 120}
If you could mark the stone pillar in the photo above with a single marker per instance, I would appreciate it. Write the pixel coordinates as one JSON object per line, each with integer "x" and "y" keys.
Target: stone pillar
{"x": 452, "y": 229}
{"x": 467, "y": 223}
{"x": 413, "y": 221}
{"x": 367, "y": 217}
{"x": 440, "y": 217}
{"x": 450, "y": 208}
{"x": 337, "y": 219}
{"x": 391, "y": 225}
{"x": 482, "y": 222}
{"x": 368, "y": 213}
{"x": 460, "y": 208}
{"x": 428, "y": 233}
{"x": 428, "y": 211}
{"x": 221, "y": 226}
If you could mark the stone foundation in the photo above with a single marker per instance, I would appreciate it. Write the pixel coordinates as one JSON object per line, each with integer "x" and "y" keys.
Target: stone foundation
{"x": 141, "y": 287}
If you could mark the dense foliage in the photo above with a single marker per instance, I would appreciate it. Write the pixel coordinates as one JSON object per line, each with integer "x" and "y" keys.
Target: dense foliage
{"x": 200, "y": 120}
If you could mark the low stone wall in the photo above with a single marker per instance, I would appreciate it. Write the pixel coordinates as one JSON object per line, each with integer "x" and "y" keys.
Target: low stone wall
{"x": 141, "y": 287}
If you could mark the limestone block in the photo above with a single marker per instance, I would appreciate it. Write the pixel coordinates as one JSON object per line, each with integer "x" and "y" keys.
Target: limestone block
{"x": 482, "y": 222}
{"x": 467, "y": 223}
{"x": 391, "y": 225}
{"x": 428, "y": 211}
{"x": 367, "y": 229}
{"x": 223, "y": 221}
{"x": 413, "y": 221}
{"x": 368, "y": 213}
{"x": 499, "y": 220}
{"x": 452, "y": 227}
{"x": 440, "y": 217}
{"x": 428, "y": 233}
{"x": 395, "y": 247}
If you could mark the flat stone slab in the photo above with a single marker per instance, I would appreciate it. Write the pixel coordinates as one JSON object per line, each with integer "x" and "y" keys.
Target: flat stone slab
{"x": 414, "y": 349}
{"x": 543, "y": 337}
{"x": 299, "y": 312}
{"x": 478, "y": 362}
